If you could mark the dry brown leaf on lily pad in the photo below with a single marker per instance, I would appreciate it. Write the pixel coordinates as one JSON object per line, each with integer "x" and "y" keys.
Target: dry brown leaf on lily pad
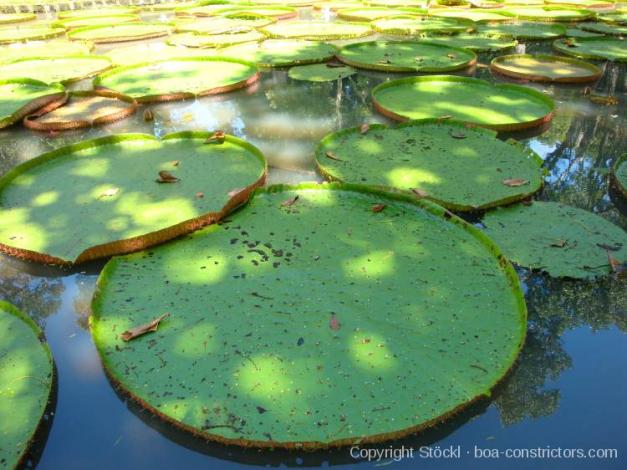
{"x": 617, "y": 267}
{"x": 444, "y": 117}
{"x": 378, "y": 207}
{"x": 332, "y": 156}
{"x": 515, "y": 182}
{"x": 559, "y": 243}
{"x": 290, "y": 202}
{"x": 335, "y": 65}
{"x": 334, "y": 323}
{"x": 200, "y": 194}
{"x": 419, "y": 192}
{"x": 216, "y": 138}
{"x": 234, "y": 192}
{"x": 148, "y": 116}
{"x": 133, "y": 333}
{"x": 176, "y": 162}
{"x": 166, "y": 177}
{"x": 457, "y": 135}
{"x": 365, "y": 127}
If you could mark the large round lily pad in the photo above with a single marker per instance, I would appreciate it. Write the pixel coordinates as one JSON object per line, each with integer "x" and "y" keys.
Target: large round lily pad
{"x": 320, "y": 72}
{"x": 278, "y": 12}
{"x": 83, "y": 109}
{"x": 26, "y": 378}
{"x": 475, "y": 14}
{"x": 368, "y": 13}
{"x": 615, "y": 17}
{"x": 52, "y": 48}
{"x": 406, "y": 56}
{"x": 593, "y": 48}
{"x": 384, "y": 340}
{"x": 422, "y": 25}
{"x": 550, "y": 13}
{"x": 137, "y": 54}
{"x": 561, "y": 240}
{"x": 499, "y": 107}
{"x": 9, "y": 18}
{"x": 619, "y": 174}
{"x": 55, "y": 69}
{"x": 73, "y": 23}
{"x": 320, "y": 30}
{"x": 546, "y": 68}
{"x": 283, "y": 52}
{"x": 28, "y": 33}
{"x": 523, "y": 30}
{"x": 604, "y": 28}
{"x": 475, "y": 42}
{"x": 177, "y": 79}
{"x": 92, "y": 12}
{"x": 119, "y": 32}
{"x": 21, "y": 97}
{"x": 214, "y": 40}
{"x": 458, "y": 167}
{"x": 221, "y": 25}
{"x": 119, "y": 199}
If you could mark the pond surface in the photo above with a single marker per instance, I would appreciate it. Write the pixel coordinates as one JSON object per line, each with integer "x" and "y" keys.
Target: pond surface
{"x": 567, "y": 391}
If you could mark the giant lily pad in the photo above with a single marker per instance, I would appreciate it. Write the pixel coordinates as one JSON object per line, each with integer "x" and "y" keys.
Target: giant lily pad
{"x": 475, "y": 14}
{"x": 283, "y": 53}
{"x": 119, "y": 32}
{"x": 8, "y": 18}
{"x": 21, "y": 97}
{"x": 422, "y": 25}
{"x": 53, "y": 48}
{"x": 603, "y": 28}
{"x": 475, "y": 42}
{"x": 137, "y": 54}
{"x": 26, "y": 378}
{"x": 385, "y": 327}
{"x": 92, "y": 12}
{"x": 320, "y": 30}
{"x": 460, "y": 168}
{"x": 593, "y": 48}
{"x": 278, "y": 12}
{"x": 320, "y": 73}
{"x": 616, "y": 17}
{"x": 177, "y": 79}
{"x": 546, "y": 68}
{"x": 561, "y": 240}
{"x": 550, "y": 14}
{"x": 619, "y": 174}
{"x": 73, "y": 23}
{"x": 499, "y": 107}
{"x": 115, "y": 203}
{"x": 83, "y": 109}
{"x": 406, "y": 56}
{"x": 368, "y": 13}
{"x": 28, "y": 33}
{"x": 214, "y": 40}
{"x": 222, "y": 25}
{"x": 55, "y": 69}
{"x": 524, "y": 30}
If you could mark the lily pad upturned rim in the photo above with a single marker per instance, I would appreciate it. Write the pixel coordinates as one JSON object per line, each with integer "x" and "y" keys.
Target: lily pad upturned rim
{"x": 31, "y": 122}
{"x": 182, "y": 95}
{"x": 367, "y": 31}
{"x": 475, "y": 81}
{"x": 497, "y": 66}
{"x": 559, "y": 46}
{"x": 11, "y": 309}
{"x": 51, "y": 33}
{"x": 56, "y": 98}
{"x": 120, "y": 38}
{"x": 74, "y": 56}
{"x": 145, "y": 240}
{"x": 325, "y": 172}
{"x": 430, "y": 207}
{"x": 17, "y": 18}
{"x": 393, "y": 68}
{"x": 620, "y": 185}
{"x": 582, "y": 14}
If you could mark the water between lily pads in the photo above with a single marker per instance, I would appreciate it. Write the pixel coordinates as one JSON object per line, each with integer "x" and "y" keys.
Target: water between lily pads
{"x": 567, "y": 391}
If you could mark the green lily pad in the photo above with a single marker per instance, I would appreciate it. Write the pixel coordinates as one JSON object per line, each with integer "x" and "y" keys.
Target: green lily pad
{"x": 222, "y": 25}
{"x": 179, "y": 78}
{"x": 28, "y": 33}
{"x": 21, "y": 97}
{"x": 114, "y": 203}
{"x": 581, "y": 3}
{"x": 384, "y": 329}
{"x": 320, "y": 73}
{"x": 499, "y": 107}
{"x": 547, "y": 13}
{"x": 593, "y": 48}
{"x": 316, "y": 30}
{"x": 9, "y": 18}
{"x": 406, "y": 56}
{"x": 73, "y": 23}
{"x": 397, "y": 3}
{"x": 283, "y": 53}
{"x": 119, "y": 32}
{"x": 53, "y": 48}
{"x": 92, "y": 12}
{"x": 55, "y": 69}
{"x": 475, "y": 42}
{"x": 214, "y": 40}
{"x": 458, "y": 167}
{"x": 368, "y": 13}
{"x": 475, "y": 14}
{"x": 335, "y": 5}
{"x": 619, "y": 174}
{"x": 613, "y": 17}
{"x": 26, "y": 378}
{"x": 421, "y": 25}
{"x": 561, "y": 240}
{"x": 546, "y": 68}
{"x": 580, "y": 33}
{"x": 278, "y": 12}
{"x": 137, "y": 54}
{"x": 523, "y": 30}
{"x": 603, "y": 28}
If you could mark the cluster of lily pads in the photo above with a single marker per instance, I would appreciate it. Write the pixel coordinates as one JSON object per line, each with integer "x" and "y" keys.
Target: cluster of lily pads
{"x": 396, "y": 281}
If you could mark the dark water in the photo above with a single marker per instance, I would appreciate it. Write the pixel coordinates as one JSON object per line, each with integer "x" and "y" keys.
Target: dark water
{"x": 568, "y": 390}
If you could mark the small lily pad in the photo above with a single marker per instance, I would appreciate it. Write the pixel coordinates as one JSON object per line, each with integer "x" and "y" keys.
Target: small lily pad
{"x": 561, "y": 240}
{"x": 320, "y": 73}
{"x": 26, "y": 378}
